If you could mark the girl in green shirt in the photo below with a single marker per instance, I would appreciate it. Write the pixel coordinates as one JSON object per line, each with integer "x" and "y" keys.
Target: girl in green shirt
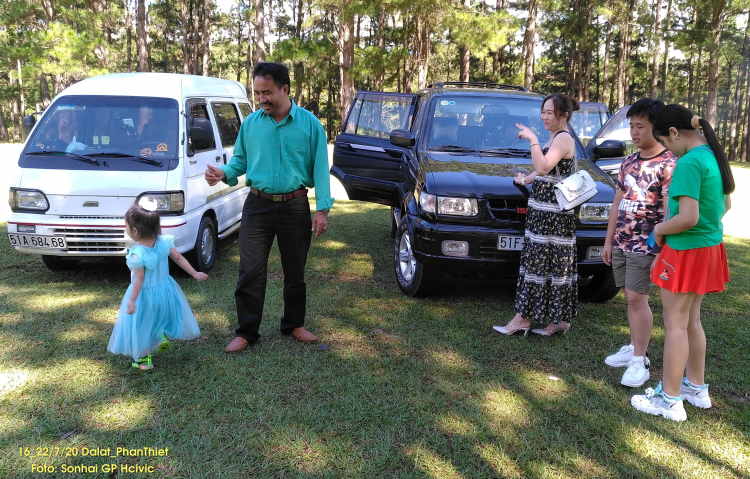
{"x": 693, "y": 261}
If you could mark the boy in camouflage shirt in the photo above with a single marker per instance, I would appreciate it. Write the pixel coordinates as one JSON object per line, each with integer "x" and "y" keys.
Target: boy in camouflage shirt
{"x": 640, "y": 201}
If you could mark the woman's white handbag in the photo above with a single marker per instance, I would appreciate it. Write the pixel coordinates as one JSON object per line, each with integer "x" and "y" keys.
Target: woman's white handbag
{"x": 575, "y": 189}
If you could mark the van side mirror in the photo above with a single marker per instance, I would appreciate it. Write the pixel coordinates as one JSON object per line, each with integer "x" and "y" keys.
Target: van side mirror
{"x": 402, "y": 138}
{"x": 27, "y": 124}
{"x": 610, "y": 149}
{"x": 202, "y": 134}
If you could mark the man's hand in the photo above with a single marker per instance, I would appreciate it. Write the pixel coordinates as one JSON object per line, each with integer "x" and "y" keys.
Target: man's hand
{"x": 319, "y": 223}
{"x": 214, "y": 175}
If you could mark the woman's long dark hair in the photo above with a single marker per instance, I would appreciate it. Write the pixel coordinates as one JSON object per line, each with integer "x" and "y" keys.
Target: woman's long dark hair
{"x": 679, "y": 117}
{"x": 564, "y": 105}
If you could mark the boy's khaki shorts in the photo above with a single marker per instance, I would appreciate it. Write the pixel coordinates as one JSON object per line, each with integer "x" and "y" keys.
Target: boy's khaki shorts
{"x": 632, "y": 270}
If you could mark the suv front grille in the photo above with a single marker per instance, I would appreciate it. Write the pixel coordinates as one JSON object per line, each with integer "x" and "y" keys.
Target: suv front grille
{"x": 507, "y": 211}
{"x": 94, "y": 239}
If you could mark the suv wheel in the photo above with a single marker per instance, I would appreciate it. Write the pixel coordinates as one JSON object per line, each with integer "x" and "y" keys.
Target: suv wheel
{"x": 57, "y": 263}
{"x": 204, "y": 252}
{"x": 415, "y": 279}
{"x": 600, "y": 288}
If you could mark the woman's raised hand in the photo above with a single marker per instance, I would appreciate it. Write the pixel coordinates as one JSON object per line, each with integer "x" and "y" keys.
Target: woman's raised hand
{"x": 525, "y": 133}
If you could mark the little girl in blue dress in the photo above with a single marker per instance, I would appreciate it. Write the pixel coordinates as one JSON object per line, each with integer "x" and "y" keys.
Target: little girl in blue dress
{"x": 154, "y": 307}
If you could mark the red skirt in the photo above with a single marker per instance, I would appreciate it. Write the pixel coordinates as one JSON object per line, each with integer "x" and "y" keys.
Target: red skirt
{"x": 699, "y": 270}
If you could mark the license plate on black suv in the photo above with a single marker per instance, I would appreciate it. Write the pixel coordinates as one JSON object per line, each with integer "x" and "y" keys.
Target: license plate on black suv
{"x": 512, "y": 243}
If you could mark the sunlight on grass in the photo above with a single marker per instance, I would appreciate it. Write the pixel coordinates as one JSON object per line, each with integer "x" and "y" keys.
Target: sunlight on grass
{"x": 505, "y": 410}
{"x": 431, "y": 463}
{"x": 45, "y": 303}
{"x": 453, "y": 424}
{"x": 451, "y": 361}
{"x": 350, "y": 344}
{"x": 333, "y": 245}
{"x": 302, "y": 452}
{"x": 540, "y": 387}
{"x": 77, "y": 334}
{"x": 357, "y": 266}
{"x": 11, "y": 423}
{"x": 501, "y": 462}
{"x": 10, "y": 380}
{"x": 120, "y": 414}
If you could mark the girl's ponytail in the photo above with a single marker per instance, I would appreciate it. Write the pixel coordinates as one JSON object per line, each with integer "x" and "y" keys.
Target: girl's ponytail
{"x": 727, "y": 179}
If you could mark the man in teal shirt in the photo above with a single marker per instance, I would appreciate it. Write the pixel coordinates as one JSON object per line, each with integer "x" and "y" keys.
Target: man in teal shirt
{"x": 282, "y": 151}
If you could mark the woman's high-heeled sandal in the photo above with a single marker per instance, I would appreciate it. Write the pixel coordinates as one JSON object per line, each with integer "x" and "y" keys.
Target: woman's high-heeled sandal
{"x": 512, "y": 329}
{"x": 551, "y": 329}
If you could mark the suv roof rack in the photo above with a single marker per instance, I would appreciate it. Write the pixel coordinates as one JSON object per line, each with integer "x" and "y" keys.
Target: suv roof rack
{"x": 499, "y": 86}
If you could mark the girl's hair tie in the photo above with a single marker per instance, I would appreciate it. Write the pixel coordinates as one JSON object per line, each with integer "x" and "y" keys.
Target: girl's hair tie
{"x": 695, "y": 122}
{"x": 148, "y": 204}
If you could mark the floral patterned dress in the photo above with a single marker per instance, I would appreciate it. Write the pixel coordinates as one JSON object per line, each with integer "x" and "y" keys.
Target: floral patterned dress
{"x": 547, "y": 291}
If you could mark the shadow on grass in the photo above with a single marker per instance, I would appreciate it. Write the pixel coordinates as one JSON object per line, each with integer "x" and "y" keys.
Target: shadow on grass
{"x": 408, "y": 388}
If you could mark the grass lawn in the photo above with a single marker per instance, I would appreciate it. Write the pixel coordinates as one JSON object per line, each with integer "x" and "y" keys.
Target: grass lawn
{"x": 399, "y": 387}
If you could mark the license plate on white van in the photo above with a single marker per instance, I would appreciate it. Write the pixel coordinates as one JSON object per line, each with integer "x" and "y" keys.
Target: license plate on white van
{"x": 510, "y": 243}
{"x": 37, "y": 241}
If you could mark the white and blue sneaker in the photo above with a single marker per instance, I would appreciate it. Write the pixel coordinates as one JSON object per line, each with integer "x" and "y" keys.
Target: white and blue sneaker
{"x": 621, "y": 358}
{"x": 657, "y": 403}
{"x": 695, "y": 395}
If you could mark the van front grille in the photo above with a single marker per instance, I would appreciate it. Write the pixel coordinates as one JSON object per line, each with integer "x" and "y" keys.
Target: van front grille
{"x": 508, "y": 211}
{"x": 94, "y": 239}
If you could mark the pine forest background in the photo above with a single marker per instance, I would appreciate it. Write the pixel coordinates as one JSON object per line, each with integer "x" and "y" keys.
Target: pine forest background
{"x": 614, "y": 51}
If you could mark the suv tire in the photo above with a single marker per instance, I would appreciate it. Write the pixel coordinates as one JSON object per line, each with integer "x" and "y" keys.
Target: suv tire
{"x": 204, "y": 252}
{"x": 600, "y": 289}
{"x": 415, "y": 279}
{"x": 56, "y": 263}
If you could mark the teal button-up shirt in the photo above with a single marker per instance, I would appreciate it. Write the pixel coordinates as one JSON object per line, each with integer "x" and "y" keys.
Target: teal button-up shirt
{"x": 282, "y": 157}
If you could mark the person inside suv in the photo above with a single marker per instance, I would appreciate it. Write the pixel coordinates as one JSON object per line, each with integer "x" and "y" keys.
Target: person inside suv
{"x": 499, "y": 131}
{"x": 445, "y": 129}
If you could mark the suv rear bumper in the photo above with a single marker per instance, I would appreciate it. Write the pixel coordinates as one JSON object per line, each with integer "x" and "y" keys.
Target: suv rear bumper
{"x": 484, "y": 256}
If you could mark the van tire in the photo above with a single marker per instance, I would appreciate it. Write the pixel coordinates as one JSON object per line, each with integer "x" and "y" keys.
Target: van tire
{"x": 57, "y": 263}
{"x": 415, "y": 278}
{"x": 204, "y": 252}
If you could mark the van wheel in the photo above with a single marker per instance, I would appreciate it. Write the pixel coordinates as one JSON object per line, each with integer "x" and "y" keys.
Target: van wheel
{"x": 57, "y": 263}
{"x": 415, "y": 279}
{"x": 204, "y": 252}
{"x": 600, "y": 289}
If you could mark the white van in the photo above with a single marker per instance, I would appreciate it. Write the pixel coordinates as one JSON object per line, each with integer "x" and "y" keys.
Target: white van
{"x": 108, "y": 141}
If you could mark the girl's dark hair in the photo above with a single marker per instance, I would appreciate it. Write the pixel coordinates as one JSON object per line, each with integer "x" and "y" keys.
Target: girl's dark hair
{"x": 146, "y": 222}
{"x": 563, "y": 104}
{"x": 679, "y": 117}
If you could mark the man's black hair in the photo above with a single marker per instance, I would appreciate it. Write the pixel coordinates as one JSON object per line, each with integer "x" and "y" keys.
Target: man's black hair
{"x": 646, "y": 107}
{"x": 278, "y": 72}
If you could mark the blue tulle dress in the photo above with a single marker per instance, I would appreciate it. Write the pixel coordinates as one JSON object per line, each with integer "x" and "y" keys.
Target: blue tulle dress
{"x": 161, "y": 306}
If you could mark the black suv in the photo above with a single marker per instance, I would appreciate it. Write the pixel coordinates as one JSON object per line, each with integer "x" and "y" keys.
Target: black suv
{"x": 444, "y": 159}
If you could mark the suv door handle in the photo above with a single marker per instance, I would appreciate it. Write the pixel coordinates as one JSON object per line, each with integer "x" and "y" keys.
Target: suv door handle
{"x": 225, "y": 158}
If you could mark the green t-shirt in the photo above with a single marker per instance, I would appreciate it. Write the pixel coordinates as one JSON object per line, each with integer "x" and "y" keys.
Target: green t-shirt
{"x": 697, "y": 175}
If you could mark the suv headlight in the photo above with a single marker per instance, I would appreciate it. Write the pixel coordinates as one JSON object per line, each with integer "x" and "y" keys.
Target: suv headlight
{"x": 27, "y": 200}
{"x": 170, "y": 202}
{"x": 427, "y": 202}
{"x": 457, "y": 206}
{"x": 594, "y": 212}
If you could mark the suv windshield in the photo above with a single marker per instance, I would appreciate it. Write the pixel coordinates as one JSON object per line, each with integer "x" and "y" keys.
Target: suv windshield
{"x": 108, "y": 127}
{"x": 461, "y": 123}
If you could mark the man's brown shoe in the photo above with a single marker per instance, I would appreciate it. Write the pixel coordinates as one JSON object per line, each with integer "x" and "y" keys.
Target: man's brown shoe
{"x": 238, "y": 344}
{"x": 304, "y": 335}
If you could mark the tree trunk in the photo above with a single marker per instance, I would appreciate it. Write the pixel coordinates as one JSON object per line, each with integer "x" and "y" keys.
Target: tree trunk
{"x": 271, "y": 28}
{"x": 196, "y": 36}
{"x": 746, "y": 127}
{"x": 739, "y": 96}
{"x": 628, "y": 44}
{"x": 423, "y": 49}
{"x": 249, "y": 61}
{"x": 588, "y": 53}
{"x": 206, "y": 36}
{"x": 407, "y": 59}
{"x": 14, "y": 107}
{"x": 605, "y": 73}
{"x": 21, "y": 96}
{"x": 717, "y": 19}
{"x": 379, "y": 69}
{"x": 299, "y": 67}
{"x": 129, "y": 34}
{"x": 3, "y": 128}
{"x": 346, "y": 57}
{"x": 185, "y": 37}
{"x": 572, "y": 69}
{"x": 691, "y": 69}
{"x": 528, "y": 46}
{"x": 666, "y": 52}
{"x": 44, "y": 87}
{"x": 655, "y": 68}
{"x": 618, "y": 80}
{"x": 260, "y": 31}
{"x": 464, "y": 55}
{"x": 140, "y": 30}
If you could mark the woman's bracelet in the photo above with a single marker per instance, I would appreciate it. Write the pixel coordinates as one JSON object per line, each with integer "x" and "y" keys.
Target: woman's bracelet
{"x": 533, "y": 145}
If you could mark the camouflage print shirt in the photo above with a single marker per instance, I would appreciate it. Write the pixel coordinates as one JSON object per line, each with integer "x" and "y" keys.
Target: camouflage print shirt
{"x": 644, "y": 183}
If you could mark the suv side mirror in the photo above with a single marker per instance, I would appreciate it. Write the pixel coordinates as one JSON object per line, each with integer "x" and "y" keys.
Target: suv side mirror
{"x": 28, "y": 124}
{"x": 610, "y": 149}
{"x": 202, "y": 134}
{"x": 402, "y": 138}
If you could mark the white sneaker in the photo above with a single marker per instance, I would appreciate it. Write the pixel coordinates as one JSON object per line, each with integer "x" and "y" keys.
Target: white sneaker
{"x": 654, "y": 402}
{"x": 621, "y": 358}
{"x": 637, "y": 372}
{"x": 698, "y": 397}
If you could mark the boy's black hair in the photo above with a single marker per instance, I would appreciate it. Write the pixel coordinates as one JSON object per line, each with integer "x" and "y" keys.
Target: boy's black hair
{"x": 646, "y": 107}
{"x": 278, "y": 72}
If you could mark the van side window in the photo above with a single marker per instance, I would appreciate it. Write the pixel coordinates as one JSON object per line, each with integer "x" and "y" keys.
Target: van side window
{"x": 198, "y": 110}
{"x": 227, "y": 121}
{"x": 246, "y": 110}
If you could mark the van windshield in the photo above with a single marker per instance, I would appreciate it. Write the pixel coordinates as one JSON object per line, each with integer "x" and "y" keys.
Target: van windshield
{"x": 115, "y": 129}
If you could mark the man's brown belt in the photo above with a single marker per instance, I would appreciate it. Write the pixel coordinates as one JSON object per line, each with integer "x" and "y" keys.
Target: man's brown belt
{"x": 280, "y": 196}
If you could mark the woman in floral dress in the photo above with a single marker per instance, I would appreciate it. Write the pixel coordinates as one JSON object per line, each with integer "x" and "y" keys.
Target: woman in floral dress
{"x": 547, "y": 291}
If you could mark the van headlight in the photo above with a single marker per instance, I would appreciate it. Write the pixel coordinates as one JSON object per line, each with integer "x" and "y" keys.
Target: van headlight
{"x": 594, "y": 212}
{"x": 27, "y": 200}
{"x": 169, "y": 202}
{"x": 457, "y": 206}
